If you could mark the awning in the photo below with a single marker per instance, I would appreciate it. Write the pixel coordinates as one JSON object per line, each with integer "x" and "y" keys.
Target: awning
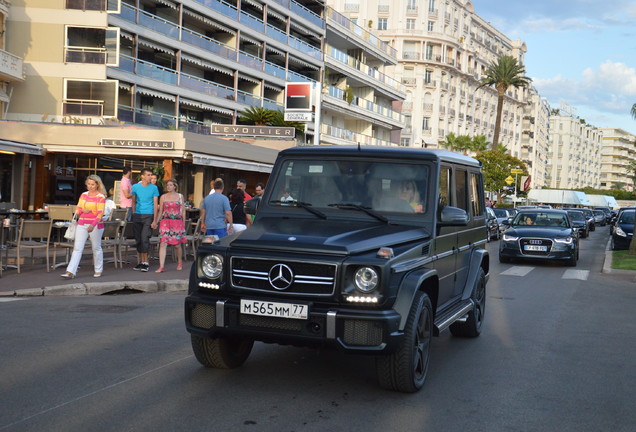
{"x": 206, "y": 64}
{"x": 208, "y": 21}
{"x": 210, "y": 160}
{"x": 124, "y": 86}
{"x": 126, "y": 35}
{"x": 249, "y": 78}
{"x": 20, "y": 147}
{"x": 254, "y": 3}
{"x": 273, "y": 87}
{"x": 274, "y": 50}
{"x": 155, "y": 93}
{"x": 215, "y": 151}
{"x": 205, "y": 106}
{"x": 276, "y": 15}
{"x": 250, "y": 40}
{"x": 304, "y": 30}
{"x": 303, "y": 63}
{"x": 167, "y": 3}
{"x": 155, "y": 46}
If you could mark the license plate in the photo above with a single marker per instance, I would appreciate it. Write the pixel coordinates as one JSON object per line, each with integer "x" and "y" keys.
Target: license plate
{"x": 275, "y": 309}
{"x": 535, "y": 248}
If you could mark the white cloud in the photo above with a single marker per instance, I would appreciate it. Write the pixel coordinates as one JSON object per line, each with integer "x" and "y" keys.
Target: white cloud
{"x": 611, "y": 88}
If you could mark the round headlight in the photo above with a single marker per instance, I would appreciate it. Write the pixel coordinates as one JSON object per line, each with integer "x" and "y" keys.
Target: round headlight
{"x": 366, "y": 279}
{"x": 212, "y": 266}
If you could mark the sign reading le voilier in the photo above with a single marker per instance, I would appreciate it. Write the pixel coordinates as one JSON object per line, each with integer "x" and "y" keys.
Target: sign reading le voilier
{"x": 140, "y": 144}
{"x": 282, "y": 132}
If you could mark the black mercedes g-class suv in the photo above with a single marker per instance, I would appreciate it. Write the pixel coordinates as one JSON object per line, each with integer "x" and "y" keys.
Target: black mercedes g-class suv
{"x": 367, "y": 249}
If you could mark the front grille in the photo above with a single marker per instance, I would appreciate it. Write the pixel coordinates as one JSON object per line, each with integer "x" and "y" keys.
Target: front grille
{"x": 272, "y": 323}
{"x": 203, "y": 316}
{"x": 363, "y": 333}
{"x": 547, "y": 243}
{"x": 304, "y": 277}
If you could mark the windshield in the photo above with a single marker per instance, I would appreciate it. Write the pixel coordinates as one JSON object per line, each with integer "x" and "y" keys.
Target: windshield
{"x": 501, "y": 213}
{"x": 352, "y": 185}
{"x": 576, "y": 216}
{"x": 541, "y": 219}
{"x": 627, "y": 217}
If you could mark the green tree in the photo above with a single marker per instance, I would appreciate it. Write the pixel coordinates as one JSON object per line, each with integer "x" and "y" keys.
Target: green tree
{"x": 278, "y": 119}
{"x": 504, "y": 73}
{"x": 479, "y": 144}
{"x": 631, "y": 172}
{"x": 496, "y": 167}
{"x": 258, "y": 116}
{"x": 455, "y": 143}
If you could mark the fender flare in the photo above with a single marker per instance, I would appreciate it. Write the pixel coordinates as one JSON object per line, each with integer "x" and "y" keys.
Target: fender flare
{"x": 477, "y": 257}
{"x": 409, "y": 286}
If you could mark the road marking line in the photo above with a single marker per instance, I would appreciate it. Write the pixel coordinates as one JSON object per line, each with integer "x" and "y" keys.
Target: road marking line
{"x": 9, "y": 299}
{"x": 576, "y": 274}
{"x": 517, "y": 271}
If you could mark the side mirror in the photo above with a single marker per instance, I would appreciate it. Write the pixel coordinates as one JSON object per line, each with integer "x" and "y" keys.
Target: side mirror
{"x": 251, "y": 206}
{"x": 453, "y": 216}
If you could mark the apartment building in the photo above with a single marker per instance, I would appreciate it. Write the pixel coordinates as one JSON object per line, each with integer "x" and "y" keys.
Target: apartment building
{"x": 361, "y": 101}
{"x": 619, "y": 150}
{"x": 443, "y": 49}
{"x": 535, "y": 138}
{"x": 575, "y": 152}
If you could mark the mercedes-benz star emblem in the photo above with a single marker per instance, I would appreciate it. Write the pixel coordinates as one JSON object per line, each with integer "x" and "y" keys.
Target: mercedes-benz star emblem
{"x": 281, "y": 277}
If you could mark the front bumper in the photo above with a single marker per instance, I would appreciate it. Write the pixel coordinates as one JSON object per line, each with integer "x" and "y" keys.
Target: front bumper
{"x": 557, "y": 252}
{"x": 351, "y": 330}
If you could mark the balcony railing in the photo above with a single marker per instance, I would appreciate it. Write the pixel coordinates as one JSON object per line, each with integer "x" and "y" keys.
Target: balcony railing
{"x": 366, "y": 104}
{"x": 11, "y": 67}
{"x": 347, "y": 135}
{"x": 364, "y": 34}
{"x": 85, "y": 55}
{"x": 83, "y": 107}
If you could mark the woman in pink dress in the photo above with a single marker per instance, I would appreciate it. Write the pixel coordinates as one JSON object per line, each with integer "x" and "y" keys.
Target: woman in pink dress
{"x": 171, "y": 220}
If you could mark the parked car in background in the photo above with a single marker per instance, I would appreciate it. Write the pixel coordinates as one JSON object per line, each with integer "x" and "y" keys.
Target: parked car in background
{"x": 503, "y": 214}
{"x": 590, "y": 218}
{"x": 494, "y": 230}
{"x": 540, "y": 234}
{"x": 577, "y": 218}
{"x": 623, "y": 229}
{"x": 599, "y": 217}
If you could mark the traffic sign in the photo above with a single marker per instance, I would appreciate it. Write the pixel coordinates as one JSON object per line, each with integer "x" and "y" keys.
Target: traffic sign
{"x": 516, "y": 171}
{"x": 509, "y": 180}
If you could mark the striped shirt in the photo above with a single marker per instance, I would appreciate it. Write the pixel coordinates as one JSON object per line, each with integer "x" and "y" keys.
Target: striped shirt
{"x": 96, "y": 205}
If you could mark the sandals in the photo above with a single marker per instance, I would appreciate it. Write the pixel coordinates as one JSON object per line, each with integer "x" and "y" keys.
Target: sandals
{"x": 96, "y": 275}
{"x": 160, "y": 270}
{"x": 180, "y": 266}
{"x": 68, "y": 275}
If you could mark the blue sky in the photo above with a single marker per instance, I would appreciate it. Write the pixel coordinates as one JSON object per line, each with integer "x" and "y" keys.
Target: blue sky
{"x": 581, "y": 52}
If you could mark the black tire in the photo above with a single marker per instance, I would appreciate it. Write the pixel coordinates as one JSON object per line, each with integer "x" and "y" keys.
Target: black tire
{"x": 406, "y": 369}
{"x": 219, "y": 353}
{"x": 503, "y": 259}
{"x": 472, "y": 326}
{"x": 572, "y": 261}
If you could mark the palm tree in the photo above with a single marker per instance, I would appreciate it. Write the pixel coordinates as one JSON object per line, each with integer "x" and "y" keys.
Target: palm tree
{"x": 479, "y": 144}
{"x": 633, "y": 111}
{"x": 502, "y": 74}
{"x": 259, "y": 116}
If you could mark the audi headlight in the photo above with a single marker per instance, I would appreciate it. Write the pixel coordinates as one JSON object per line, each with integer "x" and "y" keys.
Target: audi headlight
{"x": 566, "y": 240}
{"x": 366, "y": 279}
{"x": 212, "y": 266}
{"x": 509, "y": 238}
{"x": 619, "y": 231}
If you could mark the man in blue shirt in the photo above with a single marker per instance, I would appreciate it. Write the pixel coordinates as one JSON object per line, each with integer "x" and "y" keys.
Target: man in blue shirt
{"x": 216, "y": 212}
{"x": 145, "y": 197}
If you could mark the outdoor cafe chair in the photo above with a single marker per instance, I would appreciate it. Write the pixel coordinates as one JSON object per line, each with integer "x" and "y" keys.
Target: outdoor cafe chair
{"x": 61, "y": 216}
{"x": 32, "y": 235}
{"x": 110, "y": 239}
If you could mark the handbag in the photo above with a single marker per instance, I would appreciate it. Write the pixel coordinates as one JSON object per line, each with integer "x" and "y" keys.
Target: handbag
{"x": 70, "y": 231}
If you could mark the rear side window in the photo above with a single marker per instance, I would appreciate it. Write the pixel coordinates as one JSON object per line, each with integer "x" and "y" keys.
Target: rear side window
{"x": 444, "y": 187}
{"x": 476, "y": 195}
{"x": 462, "y": 189}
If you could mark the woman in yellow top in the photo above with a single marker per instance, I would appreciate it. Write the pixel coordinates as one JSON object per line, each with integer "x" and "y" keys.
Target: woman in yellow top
{"x": 90, "y": 209}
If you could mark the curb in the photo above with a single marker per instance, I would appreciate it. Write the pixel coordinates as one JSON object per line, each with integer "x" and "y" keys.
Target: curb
{"x": 100, "y": 288}
{"x": 607, "y": 264}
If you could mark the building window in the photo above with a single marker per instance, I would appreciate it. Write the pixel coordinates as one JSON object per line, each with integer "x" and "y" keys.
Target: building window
{"x": 382, "y": 23}
{"x": 110, "y": 6}
{"x": 92, "y": 45}
{"x": 90, "y": 98}
{"x": 431, "y": 26}
{"x": 410, "y": 24}
{"x": 431, "y": 5}
{"x": 405, "y": 142}
{"x": 426, "y": 123}
{"x": 411, "y": 5}
{"x": 428, "y": 76}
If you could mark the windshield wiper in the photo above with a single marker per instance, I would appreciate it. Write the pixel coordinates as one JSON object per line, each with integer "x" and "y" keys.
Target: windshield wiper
{"x": 367, "y": 210}
{"x": 306, "y": 206}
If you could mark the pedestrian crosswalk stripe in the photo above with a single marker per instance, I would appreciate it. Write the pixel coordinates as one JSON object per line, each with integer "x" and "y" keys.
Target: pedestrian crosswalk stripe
{"x": 517, "y": 271}
{"x": 576, "y": 274}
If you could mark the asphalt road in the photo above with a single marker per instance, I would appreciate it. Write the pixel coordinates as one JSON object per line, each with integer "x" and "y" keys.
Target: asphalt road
{"x": 556, "y": 354}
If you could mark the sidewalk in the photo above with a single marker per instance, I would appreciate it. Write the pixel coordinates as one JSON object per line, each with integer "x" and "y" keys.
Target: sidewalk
{"x": 35, "y": 281}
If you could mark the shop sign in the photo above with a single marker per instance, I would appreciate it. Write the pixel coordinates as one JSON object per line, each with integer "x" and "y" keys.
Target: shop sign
{"x": 138, "y": 144}
{"x": 283, "y": 132}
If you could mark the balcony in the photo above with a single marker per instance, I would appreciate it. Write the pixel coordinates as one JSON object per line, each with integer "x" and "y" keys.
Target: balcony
{"x": 79, "y": 107}
{"x": 11, "y": 67}
{"x": 345, "y": 136}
